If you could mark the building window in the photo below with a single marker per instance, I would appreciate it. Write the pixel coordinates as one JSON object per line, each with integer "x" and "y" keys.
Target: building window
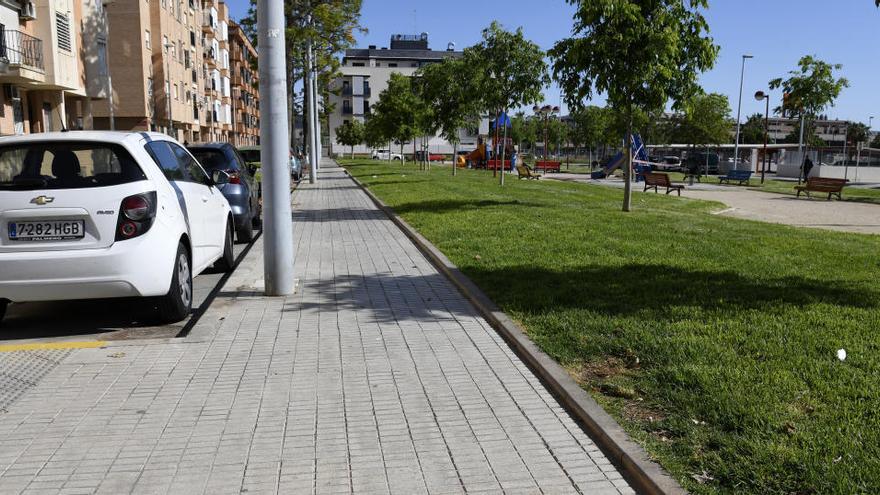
{"x": 390, "y": 65}
{"x": 357, "y": 64}
{"x": 62, "y": 24}
{"x": 147, "y": 42}
{"x": 102, "y": 57}
{"x": 165, "y": 43}
{"x": 176, "y": 92}
{"x": 192, "y": 38}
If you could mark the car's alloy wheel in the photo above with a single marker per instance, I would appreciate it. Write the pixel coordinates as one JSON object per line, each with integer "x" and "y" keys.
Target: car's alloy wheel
{"x": 177, "y": 303}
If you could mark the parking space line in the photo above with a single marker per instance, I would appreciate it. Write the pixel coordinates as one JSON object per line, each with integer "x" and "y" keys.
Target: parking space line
{"x": 53, "y": 346}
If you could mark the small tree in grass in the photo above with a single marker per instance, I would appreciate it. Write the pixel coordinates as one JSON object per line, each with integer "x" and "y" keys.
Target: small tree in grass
{"x": 350, "y": 133}
{"x": 398, "y": 111}
{"x": 513, "y": 68}
{"x": 706, "y": 120}
{"x": 639, "y": 53}
{"x": 809, "y": 90}
{"x": 448, "y": 89}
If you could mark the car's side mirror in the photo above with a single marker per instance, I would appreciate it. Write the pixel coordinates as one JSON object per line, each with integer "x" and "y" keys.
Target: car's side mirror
{"x": 219, "y": 177}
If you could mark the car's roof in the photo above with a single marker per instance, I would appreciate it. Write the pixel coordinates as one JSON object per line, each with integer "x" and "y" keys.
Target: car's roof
{"x": 210, "y": 146}
{"x": 118, "y": 137}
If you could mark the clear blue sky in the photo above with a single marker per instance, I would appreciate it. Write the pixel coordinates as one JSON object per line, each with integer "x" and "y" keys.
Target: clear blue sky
{"x": 776, "y": 32}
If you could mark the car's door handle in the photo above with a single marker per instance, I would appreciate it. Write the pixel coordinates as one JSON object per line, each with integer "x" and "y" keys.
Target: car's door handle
{"x": 204, "y": 199}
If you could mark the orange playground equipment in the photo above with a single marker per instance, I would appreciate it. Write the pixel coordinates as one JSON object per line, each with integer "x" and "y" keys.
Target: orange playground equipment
{"x": 475, "y": 157}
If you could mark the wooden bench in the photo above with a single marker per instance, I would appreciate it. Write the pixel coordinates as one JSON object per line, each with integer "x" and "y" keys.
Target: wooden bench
{"x": 834, "y": 187}
{"x": 548, "y": 166}
{"x": 740, "y": 176}
{"x": 525, "y": 173}
{"x": 656, "y": 180}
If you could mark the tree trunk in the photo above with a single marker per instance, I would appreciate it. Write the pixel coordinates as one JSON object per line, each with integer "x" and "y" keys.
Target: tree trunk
{"x": 503, "y": 152}
{"x": 627, "y": 175}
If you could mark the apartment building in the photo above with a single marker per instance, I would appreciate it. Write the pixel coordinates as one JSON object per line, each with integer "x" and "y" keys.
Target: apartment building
{"x": 171, "y": 69}
{"x": 52, "y": 64}
{"x": 245, "y": 88}
{"x": 364, "y": 75}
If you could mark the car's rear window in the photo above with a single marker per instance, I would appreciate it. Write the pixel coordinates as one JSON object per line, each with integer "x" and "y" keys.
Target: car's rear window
{"x": 66, "y": 165}
{"x": 250, "y": 156}
{"x": 212, "y": 159}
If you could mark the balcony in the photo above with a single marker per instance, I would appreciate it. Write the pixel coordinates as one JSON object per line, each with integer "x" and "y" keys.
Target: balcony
{"x": 347, "y": 91}
{"x": 22, "y": 50}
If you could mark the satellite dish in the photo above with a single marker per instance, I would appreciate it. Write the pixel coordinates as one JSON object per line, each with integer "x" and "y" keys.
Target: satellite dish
{"x": 424, "y": 36}
{"x": 451, "y": 46}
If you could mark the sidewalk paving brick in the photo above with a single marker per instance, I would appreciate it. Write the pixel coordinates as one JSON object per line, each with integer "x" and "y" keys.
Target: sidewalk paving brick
{"x": 377, "y": 376}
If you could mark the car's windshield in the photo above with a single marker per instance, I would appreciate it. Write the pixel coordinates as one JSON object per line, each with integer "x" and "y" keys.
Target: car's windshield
{"x": 212, "y": 159}
{"x": 250, "y": 156}
{"x": 65, "y": 165}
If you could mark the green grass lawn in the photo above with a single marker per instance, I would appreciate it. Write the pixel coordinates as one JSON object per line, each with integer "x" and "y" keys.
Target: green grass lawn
{"x": 787, "y": 187}
{"x": 712, "y": 340}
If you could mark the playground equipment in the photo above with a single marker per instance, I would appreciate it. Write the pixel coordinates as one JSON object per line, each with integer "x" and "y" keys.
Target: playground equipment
{"x": 641, "y": 165}
{"x": 476, "y": 157}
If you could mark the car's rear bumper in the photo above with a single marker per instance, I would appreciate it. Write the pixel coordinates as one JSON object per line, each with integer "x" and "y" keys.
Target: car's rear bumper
{"x": 136, "y": 267}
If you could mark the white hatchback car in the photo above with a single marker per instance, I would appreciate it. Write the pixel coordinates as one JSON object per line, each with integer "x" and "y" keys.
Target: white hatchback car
{"x": 87, "y": 215}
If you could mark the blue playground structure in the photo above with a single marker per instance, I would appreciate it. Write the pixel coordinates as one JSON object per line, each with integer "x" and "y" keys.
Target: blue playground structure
{"x": 641, "y": 164}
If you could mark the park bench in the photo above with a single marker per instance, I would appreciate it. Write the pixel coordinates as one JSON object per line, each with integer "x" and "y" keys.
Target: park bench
{"x": 525, "y": 173}
{"x": 740, "y": 176}
{"x": 548, "y": 166}
{"x": 656, "y": 180}
{"x": 834, "y": 187}
{"x": 641, "y": 171}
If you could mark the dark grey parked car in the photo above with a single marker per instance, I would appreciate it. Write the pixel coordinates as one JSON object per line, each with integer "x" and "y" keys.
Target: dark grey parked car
{"x": 241, "y": 190}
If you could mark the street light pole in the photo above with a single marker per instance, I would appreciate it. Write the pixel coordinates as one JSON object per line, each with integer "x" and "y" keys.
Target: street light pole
{"x": 274, "y": 154}
{"x": 739, "y": 107}
{"x": 104, "y": 4}
{"x": 760, "y": 95}
{"x": 167, "y": 47}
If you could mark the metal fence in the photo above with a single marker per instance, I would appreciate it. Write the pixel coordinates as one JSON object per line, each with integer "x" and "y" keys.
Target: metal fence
{"x": 21, "y": 49}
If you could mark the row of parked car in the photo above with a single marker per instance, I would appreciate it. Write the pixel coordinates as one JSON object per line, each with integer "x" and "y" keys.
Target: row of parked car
{"x": 90, "y": 214}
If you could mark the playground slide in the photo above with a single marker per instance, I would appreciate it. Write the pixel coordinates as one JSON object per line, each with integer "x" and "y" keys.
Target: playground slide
{"x": 477, "y": 155}
{"x": 616, "y": 162}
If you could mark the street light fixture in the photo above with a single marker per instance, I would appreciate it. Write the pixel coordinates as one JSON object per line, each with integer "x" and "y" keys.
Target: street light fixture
{"x": 739, "y": 107}
{"x": 545, "y": 113}
{"x": 760, "y": 95}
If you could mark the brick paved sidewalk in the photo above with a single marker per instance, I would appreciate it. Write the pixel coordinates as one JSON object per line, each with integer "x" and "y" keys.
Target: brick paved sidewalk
{"x": 377, "y": 376}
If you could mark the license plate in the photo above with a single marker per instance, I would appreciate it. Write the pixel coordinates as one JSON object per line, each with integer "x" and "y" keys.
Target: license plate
{"x": 47, "y": 230}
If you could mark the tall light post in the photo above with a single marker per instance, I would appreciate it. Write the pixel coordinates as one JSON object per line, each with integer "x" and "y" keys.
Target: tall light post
{"x": 742, "y": 76}
{"x": 760, "y": 95}
{"x": 545, "y": 113}
{"x": 167, "y": 47}
{"x": 274, "y": 150}
{"x": 104, "y": 5}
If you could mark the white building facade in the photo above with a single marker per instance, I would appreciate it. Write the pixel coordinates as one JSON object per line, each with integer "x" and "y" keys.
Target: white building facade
{"x": 365, "y": 74}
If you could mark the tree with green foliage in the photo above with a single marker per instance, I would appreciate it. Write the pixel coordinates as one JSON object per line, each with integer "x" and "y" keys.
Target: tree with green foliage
{"x": 374, "y": 134}
{"x": 350, "y": 133}
{"x": 513, "y": 72}
{"x": 399, "y": 110}
{"x": 522, "y": 130}
{"x": 639, "y": 53}
{"x": 809, "y": 90}
{"x": 752, "y": 131}
{"x": 447, "y": 88}
{"x": 856, "y": 133}
{"x": 876, "y": 142}
{"x": 330, "y": 25}
{"x": 706, "y": 120}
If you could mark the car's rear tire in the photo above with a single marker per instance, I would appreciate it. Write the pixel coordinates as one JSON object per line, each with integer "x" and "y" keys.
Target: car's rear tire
{"x": 177, "y": 303}
{"x": 246, "y": 232}
{"x": 227, "y": 261}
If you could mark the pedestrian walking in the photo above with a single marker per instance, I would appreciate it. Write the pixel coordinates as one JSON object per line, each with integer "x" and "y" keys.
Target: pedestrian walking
{"x": 808, "y": 165}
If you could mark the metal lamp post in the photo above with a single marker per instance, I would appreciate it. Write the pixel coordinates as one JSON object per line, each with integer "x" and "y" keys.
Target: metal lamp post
{"x": 167, "y": 47}
{"x": 104, "y": 5}
{"x": 760, "y": 95}
{"x": 739, "y": 107}
{"x": 274, "y": 150}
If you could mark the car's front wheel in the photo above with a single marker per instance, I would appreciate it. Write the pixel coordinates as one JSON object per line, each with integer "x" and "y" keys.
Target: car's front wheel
{"x": 177, "y": 303}
{"x": 227, "y": 262}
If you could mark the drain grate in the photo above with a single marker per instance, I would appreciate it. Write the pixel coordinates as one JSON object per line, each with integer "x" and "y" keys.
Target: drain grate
{"x": 22, "y": 370}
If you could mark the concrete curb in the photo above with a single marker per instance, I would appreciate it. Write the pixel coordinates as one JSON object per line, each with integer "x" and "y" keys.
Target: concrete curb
{"x": 644, "y": 475}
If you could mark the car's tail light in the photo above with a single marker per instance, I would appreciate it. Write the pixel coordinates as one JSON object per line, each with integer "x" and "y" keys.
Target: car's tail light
{"x": 136, "y": 214}
{"x": 234, "y": 176}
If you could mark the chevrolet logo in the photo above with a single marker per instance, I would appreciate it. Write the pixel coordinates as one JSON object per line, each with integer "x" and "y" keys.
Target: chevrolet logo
{"x": 42, "y": 200}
